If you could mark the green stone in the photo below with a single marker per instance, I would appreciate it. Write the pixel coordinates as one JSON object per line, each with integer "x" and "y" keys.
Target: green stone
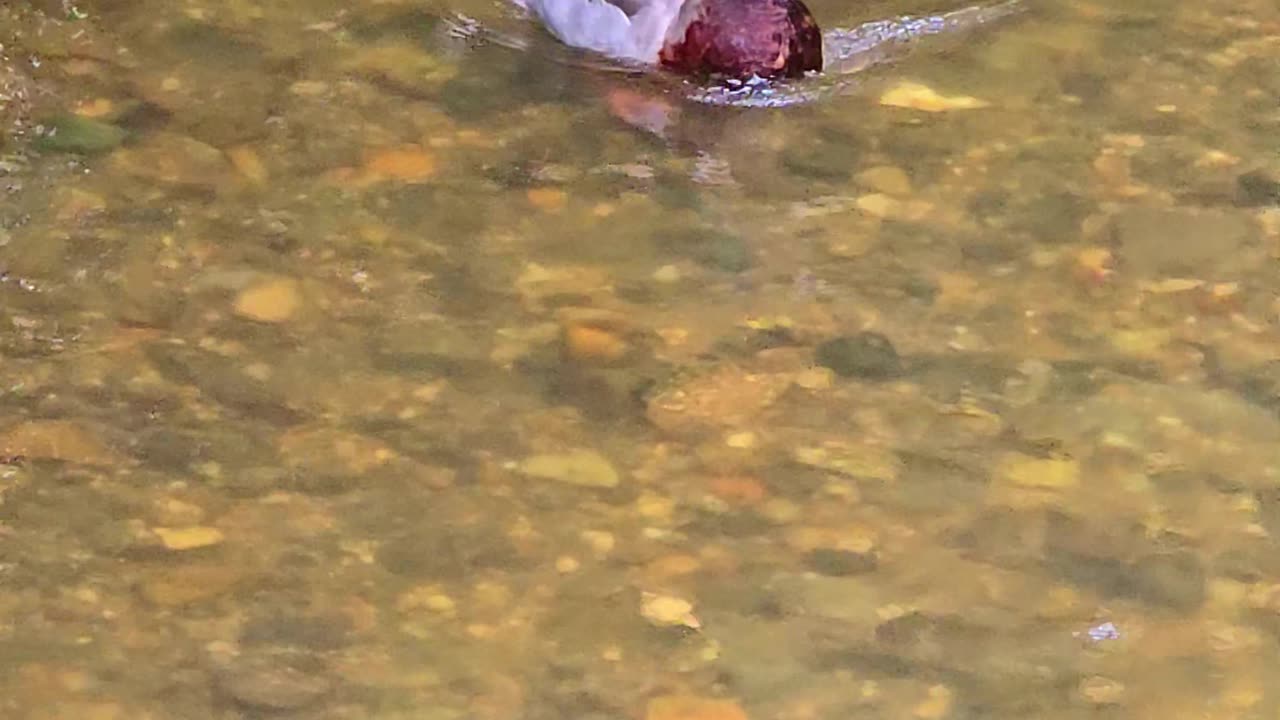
{"x": 74, "y": 134}
{"x": 867, "y": 355}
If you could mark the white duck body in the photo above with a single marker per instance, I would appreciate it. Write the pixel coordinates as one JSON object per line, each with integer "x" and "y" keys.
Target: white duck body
{"x": 629, "y": 30}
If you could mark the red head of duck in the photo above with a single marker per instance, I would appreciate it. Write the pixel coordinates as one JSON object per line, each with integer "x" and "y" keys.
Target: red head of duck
{"x": 728, "y": 38}
{"x": 742, "y": 38}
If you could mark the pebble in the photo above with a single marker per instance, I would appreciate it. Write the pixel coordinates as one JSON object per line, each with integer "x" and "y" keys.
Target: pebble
{"x": 853, "y": 539}
{"x": 272, "y": 300}
{"x": 1042, "y": 473}
{"x": 738, "y": 490}
{"x": 62, "y": 440}
{"x": 936, "y": 705}
{"x": 538, "y": 282}
{"x": 1101, "y": 690}
{"x": 1094, "y": 264}
{"x": 667, "y": 610}
{"x": 781, "y": 511}
{"x": 1174, "y": 579}
{"x": 189, "y": 538}
{"x": 668, "y": 275}
{"x": 601, "y": 542}
{"x": 670, "y": 566}
{"x": 854, "y": 460}
{"x": 409, "y": 164}
{"x": 593, "y": 343}
{"x": 426, "y": 597}
{"x": 551, "y": 200}
{"x": 816, "y": 378}
{"x": 273, "y": 682}
{"x": 585, "y": 468}
{"x": 331, "y": 451}
{"x": 886, "y": 179}
{"x": 190, "y": 584}
{"x": 867, "y": 355}
{"x": 80, "y": 205}
{"x": 403, "y": 65}
{"x": 917, "y": 96}
{"x": 693, "y": 707}
{"x": 833, "y": 562}
{"x": 248, "y": 163}
{"x": 654, "y": 507}
{"x": 177, "y": 160}
{"x": 76, "y": 134}
{"x": 885, "y": 207}
{"x": 1182, "y": 242}
{"x": 726, "y": 396}
{"x": 1257, "y": 188}
{"x": 175, "y": 512}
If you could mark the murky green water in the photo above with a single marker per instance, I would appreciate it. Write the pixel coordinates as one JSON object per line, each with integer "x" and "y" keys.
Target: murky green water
{"x": 350, "y": 372}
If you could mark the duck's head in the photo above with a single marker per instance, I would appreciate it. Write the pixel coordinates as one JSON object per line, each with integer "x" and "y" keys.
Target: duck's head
{"x": 741, "y": 38}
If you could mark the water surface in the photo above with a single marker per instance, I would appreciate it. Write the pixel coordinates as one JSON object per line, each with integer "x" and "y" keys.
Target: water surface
{"x": 350, "y": 372}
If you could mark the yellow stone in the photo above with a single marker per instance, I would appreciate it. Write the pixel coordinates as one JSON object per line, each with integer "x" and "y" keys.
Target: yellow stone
{"x": 1145, "y": 342}
{"x": 936, "y": 705}
{"x": 440, "y": 603}
{"x": 815, "y": 378}
{"x": 882, "y": 206}
{"x": 273, "y": 300}
{"x": 667, "y": 274}
{"x": 667, "y": 610}
{"x": 95, "y": 108}
{"x": 246, "y": 162}
{"x": 426, "y": 597}
{"x": 62, "y": 440}
{"x": 886, "y": 179}
{"x": 600, "y": 541}
{"x": 877, "y": 205}
{"x": 582, "y": 467}
{"x": 1031, "y": 472}
{"x": 916, "y": 96}
{"x": 693, "y": 707}
{"x": 411, "y": 164}
{"x": 591, "y": 343}
{"x": 189, "y": 538}
{"x": 655, "y": 507}
{"x": 548, "y": 199}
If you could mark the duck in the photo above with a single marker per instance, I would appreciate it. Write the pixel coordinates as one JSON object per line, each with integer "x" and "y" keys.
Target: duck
{"x": 729, "y": 39}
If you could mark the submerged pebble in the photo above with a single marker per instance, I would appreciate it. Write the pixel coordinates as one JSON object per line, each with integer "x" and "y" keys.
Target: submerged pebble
{"x": 586, "y": 468}
{"x": 867, "y": 355}
{"x": 693, "y": 707}
{"x": 77, "y": 134}
{"x": 916, "y": 96}
{"x": 271, "y": 300}
{"x": 274, "y": 681}
{"x": 189, "y": 538}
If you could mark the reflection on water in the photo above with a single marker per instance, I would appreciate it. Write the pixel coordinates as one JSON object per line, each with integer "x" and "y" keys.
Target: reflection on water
{"x": 350, "y": 373}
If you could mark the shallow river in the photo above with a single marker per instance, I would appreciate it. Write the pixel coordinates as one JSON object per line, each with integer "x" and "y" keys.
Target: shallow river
{"x": 350, "y": 370}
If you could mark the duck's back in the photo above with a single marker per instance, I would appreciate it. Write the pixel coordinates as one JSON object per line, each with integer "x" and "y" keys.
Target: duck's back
{"x": 632, "y": 30}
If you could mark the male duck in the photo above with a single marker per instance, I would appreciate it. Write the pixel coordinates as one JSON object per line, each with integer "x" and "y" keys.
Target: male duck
{"x": 728, "y": 38}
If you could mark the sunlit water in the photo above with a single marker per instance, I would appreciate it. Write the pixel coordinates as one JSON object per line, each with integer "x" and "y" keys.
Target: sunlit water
{"x": 349, "y": 370}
